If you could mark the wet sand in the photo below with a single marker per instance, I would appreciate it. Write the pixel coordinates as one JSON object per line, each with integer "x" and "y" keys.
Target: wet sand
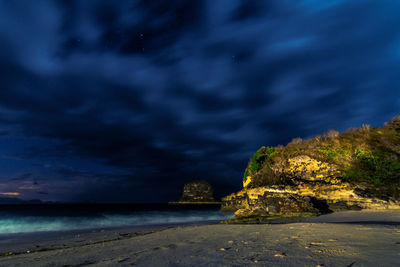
{"x": 353, "y": 238}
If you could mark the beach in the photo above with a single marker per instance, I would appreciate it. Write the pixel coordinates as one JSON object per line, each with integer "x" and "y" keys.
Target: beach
{"x": 351, "y": 238}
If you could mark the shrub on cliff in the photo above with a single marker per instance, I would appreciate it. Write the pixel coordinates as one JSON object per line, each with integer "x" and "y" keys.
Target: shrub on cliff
{"x": 264, "y": 154}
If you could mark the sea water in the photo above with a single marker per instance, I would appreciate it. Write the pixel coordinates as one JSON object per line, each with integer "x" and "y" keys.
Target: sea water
{"x": 59, "y": 217}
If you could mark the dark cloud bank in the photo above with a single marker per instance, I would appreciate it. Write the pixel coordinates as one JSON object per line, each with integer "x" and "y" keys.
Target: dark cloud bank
{"x": 128, "y": 100}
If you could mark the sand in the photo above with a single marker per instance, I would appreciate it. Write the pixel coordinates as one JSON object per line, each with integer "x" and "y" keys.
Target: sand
{"x": 353, "y": 238}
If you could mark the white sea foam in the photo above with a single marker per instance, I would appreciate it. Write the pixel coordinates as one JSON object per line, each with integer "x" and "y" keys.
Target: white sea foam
{"x": 21, "y": 224}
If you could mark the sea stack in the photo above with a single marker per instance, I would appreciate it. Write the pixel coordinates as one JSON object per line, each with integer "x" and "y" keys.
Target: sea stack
{"x": 197, "y": 192}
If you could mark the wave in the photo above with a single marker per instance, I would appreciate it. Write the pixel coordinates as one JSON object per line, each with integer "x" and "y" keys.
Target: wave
{"x": 25, "y": 224}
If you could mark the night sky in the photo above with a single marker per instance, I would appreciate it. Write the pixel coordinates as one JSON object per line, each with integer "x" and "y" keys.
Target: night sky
{"x": 125, "y": 101}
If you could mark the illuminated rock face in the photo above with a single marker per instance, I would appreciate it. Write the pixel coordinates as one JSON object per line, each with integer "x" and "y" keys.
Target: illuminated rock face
{"x": 357, "y": 169}
{"x": 198, "y": 191}
{"x": 310, "y": 187}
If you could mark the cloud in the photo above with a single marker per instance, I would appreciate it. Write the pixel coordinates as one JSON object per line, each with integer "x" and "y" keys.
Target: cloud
{"x": 9, "y": 193}
{"x": 136, "y": 99}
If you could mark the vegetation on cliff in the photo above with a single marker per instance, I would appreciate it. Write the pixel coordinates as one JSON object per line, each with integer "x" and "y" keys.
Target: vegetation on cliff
{"x": 361, "y": 156}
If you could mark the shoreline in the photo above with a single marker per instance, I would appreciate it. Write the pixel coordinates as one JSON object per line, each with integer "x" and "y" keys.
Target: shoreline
{"x": 20, "y": 243}
{"x": 365, "y": 237}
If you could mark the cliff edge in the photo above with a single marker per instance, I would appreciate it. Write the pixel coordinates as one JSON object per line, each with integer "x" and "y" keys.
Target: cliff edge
{"x": 358, "y": 169}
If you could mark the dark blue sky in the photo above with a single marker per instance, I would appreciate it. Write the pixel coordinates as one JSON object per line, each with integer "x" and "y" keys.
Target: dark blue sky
{"x": 128, "y": 100}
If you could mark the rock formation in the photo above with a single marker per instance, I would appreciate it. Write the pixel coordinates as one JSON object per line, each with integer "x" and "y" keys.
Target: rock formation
{"x": 198, "y": 192}
{"x": 358, "y": 169}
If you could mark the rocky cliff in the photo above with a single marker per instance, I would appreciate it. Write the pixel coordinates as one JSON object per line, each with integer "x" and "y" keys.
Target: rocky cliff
{"x": 358, "y": 169}
{"x": 197, "y": 192}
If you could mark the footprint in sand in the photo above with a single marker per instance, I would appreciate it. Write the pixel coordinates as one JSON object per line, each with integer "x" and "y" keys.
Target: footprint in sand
{"x": 316, "y": 244}
{"x": 120, "y": 259}
{"x": 166, "y": 247}
{"x": 172, "y": 246}
{"x": 330, "y": 251}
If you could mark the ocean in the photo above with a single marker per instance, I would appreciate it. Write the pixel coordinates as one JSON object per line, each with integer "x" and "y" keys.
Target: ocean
{"x": 62, "y": 217}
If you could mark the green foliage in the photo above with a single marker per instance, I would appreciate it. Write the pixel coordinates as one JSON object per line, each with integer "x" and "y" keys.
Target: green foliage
{"x": 258, "y": 159}
{"x": 246, "y": 173}
{"x": 254, "y": 166}
{"x": 328, "y": 152}
{"x": 335, "y": 152}
{"x": 394, "y": 166}
{"x": 374, "y": 167}
{"x": 362, "y": 154}
{"x": 269, "y": 152}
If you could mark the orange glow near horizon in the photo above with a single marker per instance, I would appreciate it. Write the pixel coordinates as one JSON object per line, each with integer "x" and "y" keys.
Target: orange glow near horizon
{"x": 10, "y": 193}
